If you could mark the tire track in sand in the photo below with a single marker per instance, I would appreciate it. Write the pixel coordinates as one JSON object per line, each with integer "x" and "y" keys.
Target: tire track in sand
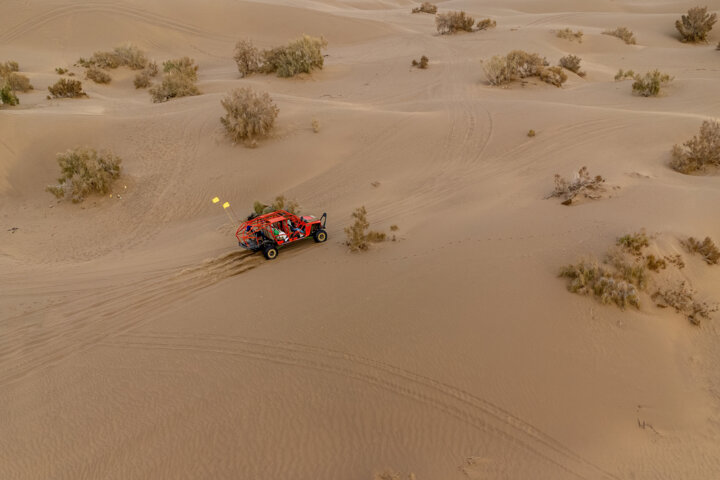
{"x": 92, "y": 318}
{"x": 28, "y": 26}
{"x": 460, "y": 404}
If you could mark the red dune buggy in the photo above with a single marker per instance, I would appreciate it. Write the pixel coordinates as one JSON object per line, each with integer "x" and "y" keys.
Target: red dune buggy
{"x": 273, "y": 230}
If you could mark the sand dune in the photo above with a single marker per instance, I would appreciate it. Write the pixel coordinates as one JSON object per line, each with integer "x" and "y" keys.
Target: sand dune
{"x": 137, "y": 341}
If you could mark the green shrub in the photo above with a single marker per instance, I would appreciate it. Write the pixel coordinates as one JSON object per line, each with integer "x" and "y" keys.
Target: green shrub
{"x": 700, "y": 152}
{"x": 300, "y": 56}
{"x": 83, "y": 172}
{"x": 358, "y": 235}
{"x": 452, "y": 22}
{"x": 649, "y": 85}
{"x": 622, "y": 33}
{"x": 423, "y": 63}
{"x": 568, "y": 34}
{"x": 572, "y": 63}
{"x": 249, "y": 115}
{"x": 486, "y": 24}
{"x": 425, "y": 7}
{"x": 7, "y": 96}
{"x": 695, "y": 26}
{"x": 97, "y": 75}
{"x": 707, "y": 249}
{"x": 67, "y": 88}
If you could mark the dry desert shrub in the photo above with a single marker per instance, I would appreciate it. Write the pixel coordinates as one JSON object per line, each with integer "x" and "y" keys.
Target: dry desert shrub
{"x": 423, "y": 63}
{"x": 695, "y": 26}
{"x": 531, "y": 133}
{"x": 632, "y": 270}
{"x": 572, "y": 63}
{"x": 682, "y": 299}
{"x": 700, "y": 152}
{"x": 144, "y": 78}
{"x": 61, "y": 71}
{"x": 389, "y": 474}
{"x": 425, "y": 7}
{"x": 622, "y": 75}
{"x": 315, "y": 125}
{"x": 588, "y": 277}
{"x": 67, "y": 88}
{"x": 247, "y": 57}
{"x": 523, "y": 64}
{"x": 178, "y": 80}
{"x": 649, "y": 84}
{"x": 707, "y": 249}
{"x": 485, "y": 24}
{"x": 18, "y": 82}
{"x": 83, "y": 172}
{"x": 582, "y": 184}
{"x": 622, "y": 33}
{"x": 9, "y": 67}
{"x": 452, "y": 22}
{"x": 654, "y": 263}
{"x": 122, "y": 56}
{"x": 553, "y": 75}
{"x": 358, "y": 235}
{"x": 97, "y": 75}
{"x": 249, "y": 115}
{"x": 568, "y": 34}
{"x": 497, "y": 70}
{"x": 634, "y": 243}
{"x": 280, "y": 203}
{"x": 299, "y": 56}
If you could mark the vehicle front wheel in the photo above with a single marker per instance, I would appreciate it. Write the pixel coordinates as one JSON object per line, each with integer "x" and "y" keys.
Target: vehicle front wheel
{"x": 270, "y": 253}
{"x": 320, "y": 236}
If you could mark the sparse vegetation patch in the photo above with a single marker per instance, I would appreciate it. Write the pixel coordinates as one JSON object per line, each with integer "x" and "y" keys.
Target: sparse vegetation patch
{"x": 144, "y": 78}
{"x": 122, "y": 56}
{"x": 61, "y": 71}
{"x": 520, "y": 64}
{"x": 572, "y": 63}
{"x": 67, "y": 88}
{"x": 622, "y": 33}
{"x": 178, "y": 80}
{"x": 300, "y": 56}
{"x": 97, "y": 75}
{"x": 83, "y": 171}
{"x": 423, "y": 63}
{"x": 582, "y": 184}
{"x": 568, "y": 34}
{"x": 358, "y": 235}
{"x": 588, "y": 277}
{"x": 280, "y": 203}
{"x": 682, "y": 299}
{"x": 452, "y": 22}
{"x": 485, "y": 24}
{"x": 695, "y": 26}
{"x": 622, "y": 75}
{"x": 425, "y": 7}
{"x": 649, "y": 84}
{"x": 700, "y": 152}
{"x": 706, "y": 249}
{"x": 249, "y": 115}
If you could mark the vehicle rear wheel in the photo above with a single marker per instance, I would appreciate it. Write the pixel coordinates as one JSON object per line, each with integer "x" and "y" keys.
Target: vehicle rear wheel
{"x": 270, "y": 253}
{"x": 320, "y": 236}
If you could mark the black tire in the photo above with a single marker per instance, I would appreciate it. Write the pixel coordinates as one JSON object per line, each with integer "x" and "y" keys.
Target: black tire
{"x": 270, "y": 253}
{"x": 320, "y": 236}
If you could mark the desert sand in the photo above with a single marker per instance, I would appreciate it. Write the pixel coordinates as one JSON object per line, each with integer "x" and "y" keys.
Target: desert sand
{"x": 138, "y": 341}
